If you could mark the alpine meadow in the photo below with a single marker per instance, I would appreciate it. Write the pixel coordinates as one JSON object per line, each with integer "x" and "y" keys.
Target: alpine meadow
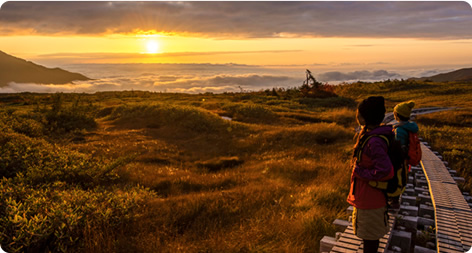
{"x": 234, "y": 172}
{"x": 225, "y": 126}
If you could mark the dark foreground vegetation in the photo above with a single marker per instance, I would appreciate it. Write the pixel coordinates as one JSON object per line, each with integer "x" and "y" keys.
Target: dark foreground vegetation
{"x": 152, "y": 172}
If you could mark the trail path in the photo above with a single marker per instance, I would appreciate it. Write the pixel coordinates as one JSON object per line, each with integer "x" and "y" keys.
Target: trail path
{"x": 432, "y": 199}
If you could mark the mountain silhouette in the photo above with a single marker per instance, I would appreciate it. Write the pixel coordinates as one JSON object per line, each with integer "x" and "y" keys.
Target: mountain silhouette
{"x": 461, "y": 75}
{"x": 13, "y": 69}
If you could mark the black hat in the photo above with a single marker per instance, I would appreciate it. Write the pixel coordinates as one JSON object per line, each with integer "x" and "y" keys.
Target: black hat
{"x": 372, "y": 110}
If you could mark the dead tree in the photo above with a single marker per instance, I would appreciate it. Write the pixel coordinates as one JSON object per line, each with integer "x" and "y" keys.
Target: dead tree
{"x": 311, "y": 81}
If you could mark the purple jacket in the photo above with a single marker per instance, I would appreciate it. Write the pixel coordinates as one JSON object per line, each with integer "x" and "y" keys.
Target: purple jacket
{"x": 375, "y": 165}
{"x": 376, "y": 150}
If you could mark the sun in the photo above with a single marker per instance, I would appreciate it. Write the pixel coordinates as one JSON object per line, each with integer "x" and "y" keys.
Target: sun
{"x": 152, "y": 47}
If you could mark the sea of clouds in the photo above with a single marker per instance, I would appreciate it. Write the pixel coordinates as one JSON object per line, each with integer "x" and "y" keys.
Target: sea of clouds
{"x": 194, "y": 78}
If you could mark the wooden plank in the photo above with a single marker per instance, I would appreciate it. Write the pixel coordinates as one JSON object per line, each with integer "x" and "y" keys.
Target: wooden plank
{"x": 444, "y": 237}
{"x": 351, "y": 236}
{"x": 448, "y": 233}
{"x": 466, "y": 237}
{"x": 347, "y": 246}
{"x": 453, "y": 213}
{"x": 448, "y": 250}
{"x": 440, "y": 226}
{"x": 337, "y": 249}
{"x": 451, "y": 242}
{"x": 349, "y": 241}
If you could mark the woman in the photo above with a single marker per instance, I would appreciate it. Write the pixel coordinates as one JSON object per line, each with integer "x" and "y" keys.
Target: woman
{"x": 370, "y": 163}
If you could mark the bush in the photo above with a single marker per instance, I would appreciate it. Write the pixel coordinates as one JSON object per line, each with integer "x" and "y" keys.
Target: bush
{"x": 41, "y": 162}
{"x": 62, "y": 219}
{"x": 321, "y": 91}
{"x": 331, "y": 102}
{"x": 308, "y": 135}
{"x": 250, "y": 113}
{"x": 22, "y": 124}
{"x": 62, "y": 118}
{"x": 341, "y": 116}
{"x": 158, "y": 115}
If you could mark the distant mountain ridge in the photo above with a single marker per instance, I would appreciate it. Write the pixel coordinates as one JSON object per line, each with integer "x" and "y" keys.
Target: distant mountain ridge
{"x": 13, "y": 69}
{"x": 457, "y": 75}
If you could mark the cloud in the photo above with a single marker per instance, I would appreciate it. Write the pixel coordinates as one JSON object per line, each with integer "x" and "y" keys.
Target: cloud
{"x": 187, "y": 83}
{"x": 363, "y": 75}
{"x": 431, "y": 19}
{"x": 226, "y": 83}
{"x": 194, "y": 83}
{"x": 201, "y": 78}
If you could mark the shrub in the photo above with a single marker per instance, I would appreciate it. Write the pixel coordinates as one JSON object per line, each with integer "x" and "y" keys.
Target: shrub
{"x": 341, "y": 116}
{"x": 330, "y": 102}
{"x": 158, "y": 115}
{"x": 61, "y": 118}
{"x": 323, "y": 91}
{"x": 308, "y": 135}
{"x": 62, "y": 219}
{"x": 22, "y": 124}
{"x": 41, "y": 162}
{"x": 250, "y": 112}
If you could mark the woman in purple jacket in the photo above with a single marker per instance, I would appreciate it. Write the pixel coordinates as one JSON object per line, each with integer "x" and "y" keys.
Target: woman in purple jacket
{"x": 370, "y": 219}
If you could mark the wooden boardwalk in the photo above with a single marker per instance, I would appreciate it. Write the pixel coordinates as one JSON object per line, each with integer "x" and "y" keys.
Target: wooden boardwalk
{"x": 348, "y": 242}
{"x": 453, "y": 215}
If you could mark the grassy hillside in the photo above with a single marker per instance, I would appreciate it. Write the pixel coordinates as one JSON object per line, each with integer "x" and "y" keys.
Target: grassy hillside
{"x": 462, "y": 75}
{"x": 17, "y": 70}
{"x": 149, "y": 172}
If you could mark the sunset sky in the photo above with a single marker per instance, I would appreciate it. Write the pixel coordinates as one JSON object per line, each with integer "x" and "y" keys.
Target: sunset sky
{"x": 331, "y": 35}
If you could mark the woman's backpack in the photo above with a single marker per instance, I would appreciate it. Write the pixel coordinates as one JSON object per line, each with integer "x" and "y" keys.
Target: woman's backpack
{"x": 396, "y": 185}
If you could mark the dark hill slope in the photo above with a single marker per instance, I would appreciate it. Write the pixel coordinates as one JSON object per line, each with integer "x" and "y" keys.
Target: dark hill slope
{"x": 13, "y": 69}
{"x": 457, "y": 75}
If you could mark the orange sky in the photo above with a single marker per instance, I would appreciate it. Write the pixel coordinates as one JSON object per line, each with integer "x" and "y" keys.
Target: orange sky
{"x": 327, "y": 34}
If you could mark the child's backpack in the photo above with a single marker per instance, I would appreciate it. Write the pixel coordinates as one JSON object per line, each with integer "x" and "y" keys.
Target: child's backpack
{"x": 395, "y": 186}
{"x": 414, "y": 149}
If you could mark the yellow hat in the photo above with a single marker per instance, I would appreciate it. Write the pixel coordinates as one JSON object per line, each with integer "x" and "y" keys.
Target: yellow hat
{"x": 404, "y": 109}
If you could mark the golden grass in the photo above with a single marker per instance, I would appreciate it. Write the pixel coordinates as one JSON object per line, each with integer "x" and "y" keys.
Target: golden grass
{"x": 259, "y": 204}
{"x": 271, "y": 180}
{"x": 450, "y": 133}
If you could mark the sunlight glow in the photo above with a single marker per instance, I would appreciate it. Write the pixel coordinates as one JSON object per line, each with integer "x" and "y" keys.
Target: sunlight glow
{"x": 152, "y": 47}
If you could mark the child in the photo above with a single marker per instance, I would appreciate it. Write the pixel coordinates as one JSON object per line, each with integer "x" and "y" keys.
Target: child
{"x": 402, "y": 113}
{"x": 370, "y": 218}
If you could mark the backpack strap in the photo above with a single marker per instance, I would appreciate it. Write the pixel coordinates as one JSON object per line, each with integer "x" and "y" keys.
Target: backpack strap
{"x": 376, "y": 184}
{"x": 363, "y": 143}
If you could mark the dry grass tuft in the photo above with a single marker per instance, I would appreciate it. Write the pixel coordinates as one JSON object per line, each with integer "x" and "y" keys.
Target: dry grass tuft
{"x": 219, "y": 163}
